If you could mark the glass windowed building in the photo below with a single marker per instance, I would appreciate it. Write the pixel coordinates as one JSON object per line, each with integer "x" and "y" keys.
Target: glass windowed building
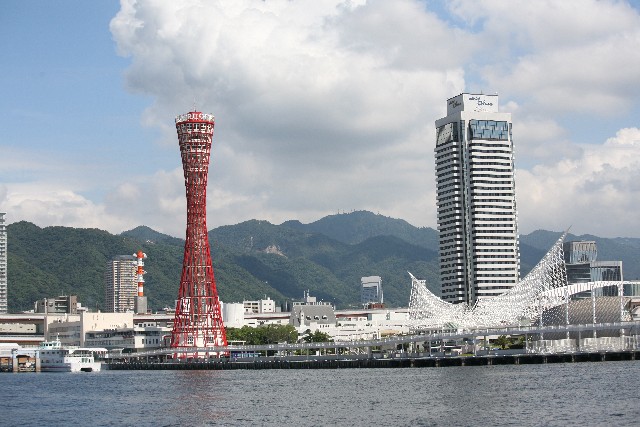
{"x": 477, "y": 220}
{"x": 371, "y": 290}
{"x": 582, "y": 267}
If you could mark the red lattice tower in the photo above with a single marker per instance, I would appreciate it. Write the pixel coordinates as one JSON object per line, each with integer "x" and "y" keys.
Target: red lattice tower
{"x": 198, "y": 319}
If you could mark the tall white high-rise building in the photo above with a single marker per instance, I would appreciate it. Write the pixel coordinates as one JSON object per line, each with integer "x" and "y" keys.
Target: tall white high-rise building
{"x": 3, "y": 265}
{"x": 477, "y": 220}
{"x": 121, "y": 284}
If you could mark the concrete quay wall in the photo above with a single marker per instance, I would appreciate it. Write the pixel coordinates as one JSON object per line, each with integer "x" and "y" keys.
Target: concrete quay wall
{"x": 403, "y": 362}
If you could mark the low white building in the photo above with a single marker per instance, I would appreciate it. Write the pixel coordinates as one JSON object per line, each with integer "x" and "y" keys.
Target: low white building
{"x": 350, "y": 325}
{"x": 253, "y": 314}
{"x": 129, "y": 339}
{"x": 260, "y": 306}
{"x": 312, "y": 315}
{"x": 263, "y": 319}
{"x": 72, "y": 329}
{"x": 135, "y": 332}
{"x": 370, "y": 323}
{"x": 309, "y": 300}
{"x": 313, "y": 318}
{"x": 109, "y": 330}
{"x": 233, "y": 314}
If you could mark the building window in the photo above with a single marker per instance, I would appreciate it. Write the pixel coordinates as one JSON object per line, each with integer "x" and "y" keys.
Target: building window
{"x": 446, "y": 133}
{"x": 488, "y": 130}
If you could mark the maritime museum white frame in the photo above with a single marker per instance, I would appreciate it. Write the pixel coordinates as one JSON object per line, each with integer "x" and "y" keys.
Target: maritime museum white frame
{"x": 544, "y": 288}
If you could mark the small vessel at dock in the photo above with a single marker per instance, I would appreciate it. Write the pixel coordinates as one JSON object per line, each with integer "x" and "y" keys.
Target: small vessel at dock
{"x": 54, "y": 357}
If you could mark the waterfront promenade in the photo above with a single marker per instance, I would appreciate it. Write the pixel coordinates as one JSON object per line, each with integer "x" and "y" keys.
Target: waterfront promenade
{"x": 548, "y": 344}
{"x": 601, "y": 342}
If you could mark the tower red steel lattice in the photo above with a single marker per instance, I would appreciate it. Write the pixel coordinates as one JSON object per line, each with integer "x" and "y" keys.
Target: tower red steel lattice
{"x": 198, "y": 318}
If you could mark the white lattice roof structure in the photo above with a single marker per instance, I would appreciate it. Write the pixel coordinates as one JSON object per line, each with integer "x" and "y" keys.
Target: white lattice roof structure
{"x": 543, "y": 288}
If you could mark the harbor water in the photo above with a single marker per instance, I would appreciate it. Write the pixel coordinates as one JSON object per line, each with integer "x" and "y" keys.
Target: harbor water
{"x": 592, "y": 394}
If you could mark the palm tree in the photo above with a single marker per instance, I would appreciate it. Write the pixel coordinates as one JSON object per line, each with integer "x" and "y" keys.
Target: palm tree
{"x": 503, "y": 341}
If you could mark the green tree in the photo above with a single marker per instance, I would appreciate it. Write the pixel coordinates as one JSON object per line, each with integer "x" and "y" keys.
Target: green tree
{"x": 273, "y": 334}
{"x": 316, "y": 336}
{"x": 269, "y": 334}
{"x": 517, "y": 342}
{"x": 503, "y": 341}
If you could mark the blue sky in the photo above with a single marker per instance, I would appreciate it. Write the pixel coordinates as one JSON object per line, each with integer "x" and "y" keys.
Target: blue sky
{"x": 320, "y": 108}
{"x": 63, "y": 87}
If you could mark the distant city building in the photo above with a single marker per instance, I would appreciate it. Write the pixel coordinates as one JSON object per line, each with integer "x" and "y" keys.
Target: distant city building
{"x": 128, "y": 339}
{"x": 232, "y": 314}
{"x": 132, "y": 331}
{"x": 476, "y": 199}
{"x": 3, "y": 264}
{"x": 124, "y": 331}
{"x": 371, "y": 290}
{"x": 312, "y": 318}
{"x": 61, "y": 304}
{"x": 632, "y": 289}
{"x": 579, "y": 252}
{"x": 309, "y": 300}
{"x": 121, "y": 284}
{"x": 582, "y": 266}
{"x": 260, "y": 306}
{"x": 252, "y": 313}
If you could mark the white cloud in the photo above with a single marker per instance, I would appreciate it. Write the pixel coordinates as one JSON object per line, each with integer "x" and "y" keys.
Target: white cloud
{"x": 157, "y": 201}
{"x": 330, "y": 105}
{"x": 3, "y": 194}
{"x": 333, "y": 109}
{"x": 541, "y": 140}
{"x": 596, "y": 193}
{"x": 44, "y": 204}
{"x": 564, "y": 56}
{"x": 311, "y": 106}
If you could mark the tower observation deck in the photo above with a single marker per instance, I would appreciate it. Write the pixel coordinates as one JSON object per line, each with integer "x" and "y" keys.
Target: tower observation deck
{"x": 198, "y": 318}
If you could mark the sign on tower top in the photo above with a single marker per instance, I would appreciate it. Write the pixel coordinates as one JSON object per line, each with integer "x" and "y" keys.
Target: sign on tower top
{"x": 194, "y": 116}
{"x": 472, "y": 102}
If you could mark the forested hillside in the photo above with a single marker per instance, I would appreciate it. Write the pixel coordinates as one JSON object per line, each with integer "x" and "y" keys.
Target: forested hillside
{"x": 255, "y": 259}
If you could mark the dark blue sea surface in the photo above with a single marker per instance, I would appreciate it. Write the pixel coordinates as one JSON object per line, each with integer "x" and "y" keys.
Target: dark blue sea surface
{"x": 585, "y": 394}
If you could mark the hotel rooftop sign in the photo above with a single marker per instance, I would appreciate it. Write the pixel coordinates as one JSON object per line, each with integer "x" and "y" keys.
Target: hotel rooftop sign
{"x": 472, "y": 102}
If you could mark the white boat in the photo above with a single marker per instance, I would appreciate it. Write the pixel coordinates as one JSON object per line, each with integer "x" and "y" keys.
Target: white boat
{"x": 54, "y": 357}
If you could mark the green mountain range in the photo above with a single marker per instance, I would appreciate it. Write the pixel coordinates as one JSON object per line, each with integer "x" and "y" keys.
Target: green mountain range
{"x": 256, "y": 259}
